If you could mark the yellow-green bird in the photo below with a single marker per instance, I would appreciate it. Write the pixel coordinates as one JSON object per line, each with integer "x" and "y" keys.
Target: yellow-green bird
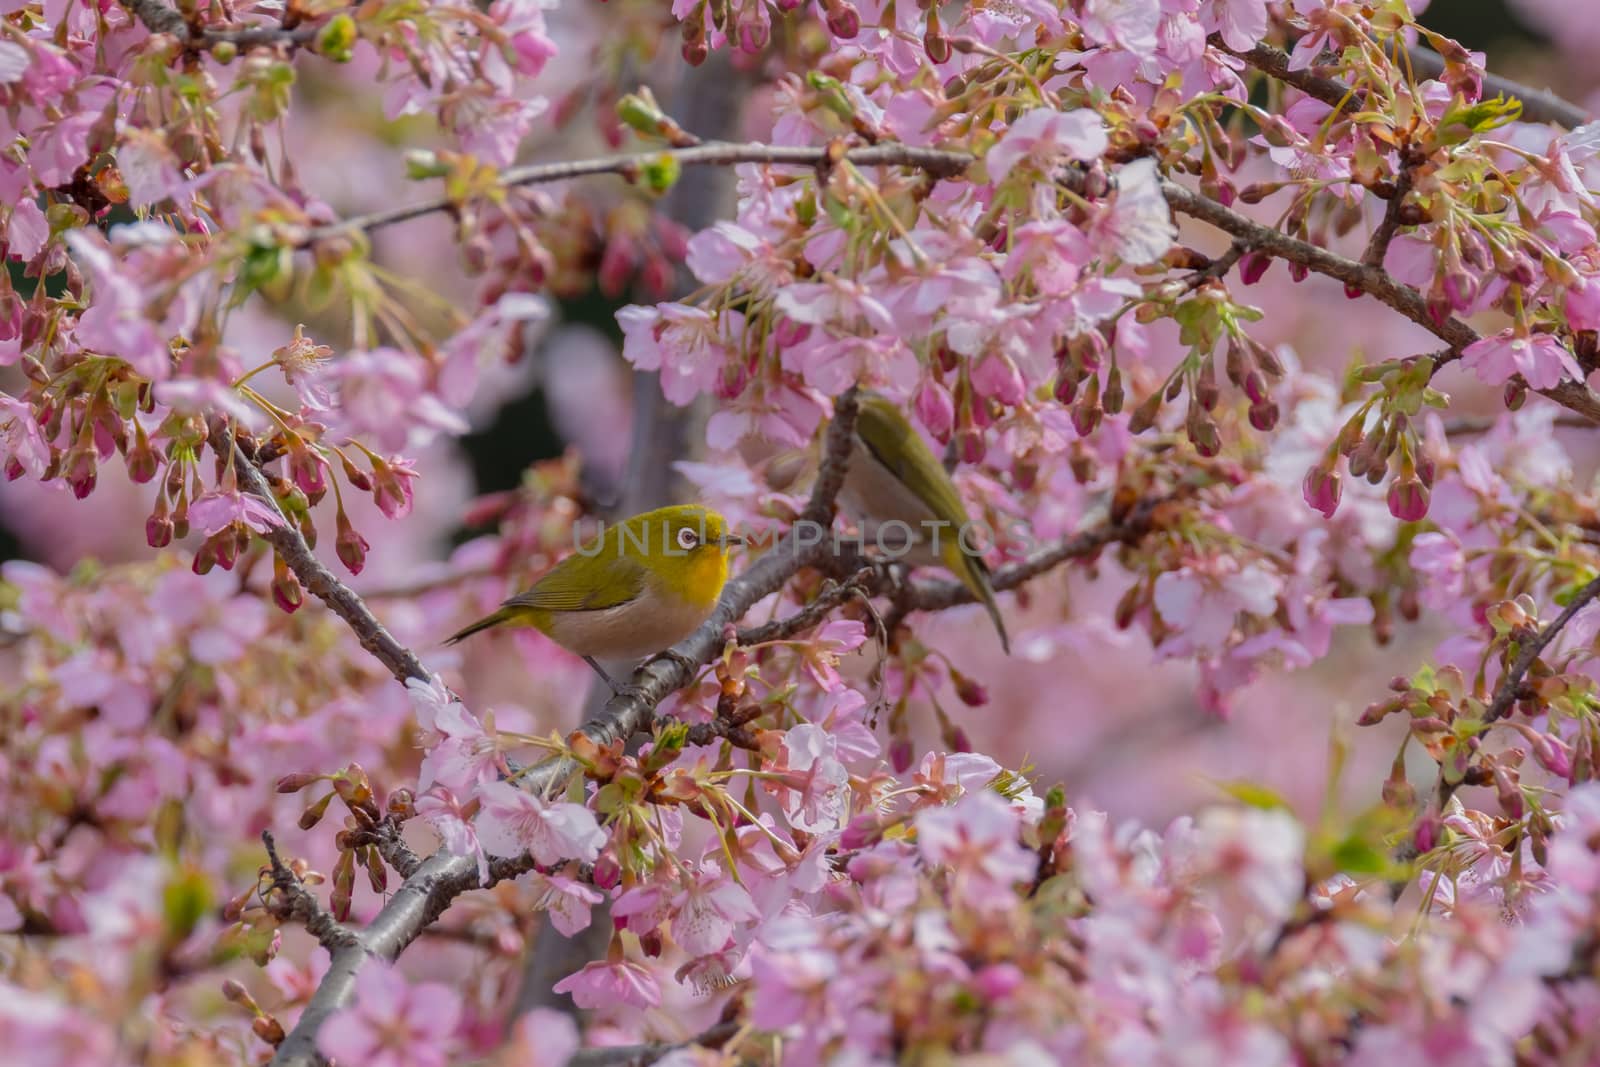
{"x": 641, "y": 587}
{"x": 893, "y": 477}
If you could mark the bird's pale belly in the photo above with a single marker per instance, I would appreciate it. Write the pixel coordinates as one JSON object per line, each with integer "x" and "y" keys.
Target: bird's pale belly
{"x": 628, "y": 631}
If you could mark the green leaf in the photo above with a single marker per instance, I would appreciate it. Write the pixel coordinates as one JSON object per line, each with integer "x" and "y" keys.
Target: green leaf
{"x": 1253, "y": 794}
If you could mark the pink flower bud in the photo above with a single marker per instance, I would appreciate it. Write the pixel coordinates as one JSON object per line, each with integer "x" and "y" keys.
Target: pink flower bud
{"x": 286, "y": 592}
{"x": 998, "y": 981}
{"x": 754, "y": 31}
{"x": 1408, "y": 500}
{"x": 843, "y": 20}
{"x": 607, "y": 873}
{"x": 308, "y": 470}
{"x": 1321, "y": 490}
{"x": 392, "y": 488}
{"x": 901, "y": 754}
{"x": 969, "y": 690}
{"x": 1427, "y": 833}
{"x": 971, "y": 445}
{"x": 158, "y": 531}
{"x": 349, "y": 545}
{"x": 935, "y": 408}
{"x": 80, "y": 471}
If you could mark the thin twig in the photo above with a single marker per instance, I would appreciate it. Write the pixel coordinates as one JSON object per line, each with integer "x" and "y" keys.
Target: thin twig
{"x": 297, "y": 555}
{"x": 831, "y": 596}
{"x": 302, "y": 904}
{"x": 1506, "y": 693}
{"x": 934, "y": 161}
{"x": 1373, "y": 281}
{"x": 1394, "y": 213}
{"x": 1468, "y": 425}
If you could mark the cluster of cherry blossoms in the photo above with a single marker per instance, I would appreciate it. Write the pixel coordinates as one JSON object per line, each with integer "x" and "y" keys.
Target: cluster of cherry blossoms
{"x": 1070, "y": 240}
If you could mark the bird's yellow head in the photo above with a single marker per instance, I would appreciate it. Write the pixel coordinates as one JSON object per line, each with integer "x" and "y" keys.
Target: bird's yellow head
{"x": 685, "y": 548}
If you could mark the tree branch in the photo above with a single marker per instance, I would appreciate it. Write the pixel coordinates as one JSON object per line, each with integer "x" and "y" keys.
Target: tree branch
{"x": 300, "y": 903}
{"x": 298, "y": 557}
{"x": 935, "y": 161}
{"x": 1373, "y": 281}
{"x": 1506, "y": 693}
{"x": 423, "y": 897}
{"x": 158, "y": 17}
{"x": 1538, "y": 105}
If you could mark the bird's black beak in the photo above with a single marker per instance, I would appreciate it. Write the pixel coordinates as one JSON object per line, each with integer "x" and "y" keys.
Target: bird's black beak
{"x": 729, "y": 540}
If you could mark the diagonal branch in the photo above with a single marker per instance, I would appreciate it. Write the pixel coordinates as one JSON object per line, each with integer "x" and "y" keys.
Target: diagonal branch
{"x": 1373, "y": 281}
{"x": 1507, "y": 693}
{"x": 313, "y": 574}
{"x": 442, "y": 877}
{"x": 1538, "y": 105}
{"x": 298, "y": 902}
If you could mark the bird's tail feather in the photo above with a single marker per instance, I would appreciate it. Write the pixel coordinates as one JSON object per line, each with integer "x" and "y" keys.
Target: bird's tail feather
{"x": 974, "y": 574}
{"x": 503, "y": 615}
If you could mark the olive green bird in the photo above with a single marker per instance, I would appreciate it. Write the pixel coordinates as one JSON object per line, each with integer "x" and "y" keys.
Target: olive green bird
{"x": 643, "y": 586}
{"x": 894, "y": 477}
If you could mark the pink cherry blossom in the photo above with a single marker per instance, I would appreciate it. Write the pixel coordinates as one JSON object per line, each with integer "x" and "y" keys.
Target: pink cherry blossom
{"x": 816, "y": 796}
{"x": 708, "y": 909}
{"x": 568, "y": 901}
{"x": 977, "y": 837}
{"x": 1137, "y": 227}
{"x": 217, "y": 510}
{"x": 514, "y": 821}
{"x": 393, "y": 1023}
{"x": 1541, "y": 359}
{"x": 1043, "y": 137}
{"x": 604, "y": 983}
{"x": 1204, "y": 607}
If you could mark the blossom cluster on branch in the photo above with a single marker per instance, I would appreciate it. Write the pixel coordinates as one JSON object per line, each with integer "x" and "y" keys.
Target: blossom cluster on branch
{"x": 1064, "y": 238}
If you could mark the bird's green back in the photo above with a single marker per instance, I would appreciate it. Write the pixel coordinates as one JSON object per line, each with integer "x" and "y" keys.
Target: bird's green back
{"x": 895, "y": 443}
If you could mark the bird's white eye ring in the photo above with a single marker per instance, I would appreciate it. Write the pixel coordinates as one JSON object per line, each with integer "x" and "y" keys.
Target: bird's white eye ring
{"x": 687, "y": 539}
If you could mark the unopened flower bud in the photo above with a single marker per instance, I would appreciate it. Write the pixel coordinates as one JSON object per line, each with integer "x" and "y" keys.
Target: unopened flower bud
{"x": 844, "y": 22}
{"x": 970, "y": 691}
{"x": 1144, "y": 416}
{"x": 158, "y": 530}
{"x": 1264, "y": 417}
{"x": 349, "y": 545}
{"x": 268, "y": 1029}
{"x": 80, "y": 471}
{"x": 286, "y": 591}
{"x": 1408, "y": 499}
{"x": 935, "y": 42}
{"x": 234, "y": 992}
{"x": 1203, "y": 433}
{"x": 293, "y": 783}
{"x": 1321, "y": 489}
{"x": 1111, "y": 397}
